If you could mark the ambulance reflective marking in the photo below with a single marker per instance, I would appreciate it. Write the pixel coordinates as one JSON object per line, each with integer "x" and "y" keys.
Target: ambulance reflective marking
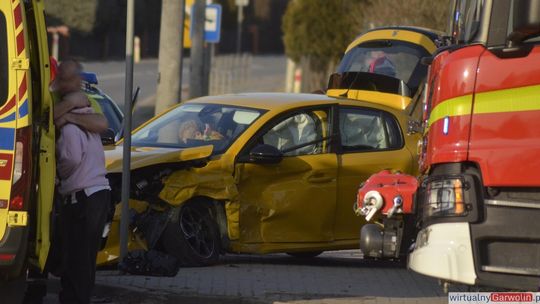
{"x": 18, "y": 15}
{"x": 20, "y": 42}
{"x": 22, "y": 87}
{"x": 6, "y": 161}
{"x": 23, "y": 109}
{"x": 23, "y": 103}
{"x": 8, "y": 107}
{"x": 7, "y": 139}
{"x": 10, "y": 117}
{"x": 18, "y": 27}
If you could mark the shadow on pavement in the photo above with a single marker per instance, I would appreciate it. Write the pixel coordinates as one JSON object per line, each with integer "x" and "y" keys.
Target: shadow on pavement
{"x": 117, "y": 295}
{"x": 329, "y": 261}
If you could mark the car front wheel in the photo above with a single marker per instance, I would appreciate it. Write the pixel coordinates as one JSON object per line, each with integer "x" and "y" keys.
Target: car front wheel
{"x": 194, "y": 238}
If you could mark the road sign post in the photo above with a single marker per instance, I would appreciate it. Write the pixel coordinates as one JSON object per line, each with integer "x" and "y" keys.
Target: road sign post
{"x": 212, "y": 24}
{"x": 240, "y": 20}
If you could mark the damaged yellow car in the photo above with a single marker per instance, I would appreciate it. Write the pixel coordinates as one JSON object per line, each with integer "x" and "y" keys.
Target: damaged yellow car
{"x": 256, "y": 173}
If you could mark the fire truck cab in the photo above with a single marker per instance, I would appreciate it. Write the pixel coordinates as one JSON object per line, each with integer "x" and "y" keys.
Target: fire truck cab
{"x": 478, "y": 201}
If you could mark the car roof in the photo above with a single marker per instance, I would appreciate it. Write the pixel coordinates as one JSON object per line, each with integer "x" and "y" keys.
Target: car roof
{"x": 282, "y": 101}
{"x": 431, "y": 33}
{"x": 423, "y": 37}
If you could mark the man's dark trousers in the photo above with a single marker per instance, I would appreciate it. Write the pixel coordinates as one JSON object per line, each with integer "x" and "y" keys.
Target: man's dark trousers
{"x": 82, "y": 227}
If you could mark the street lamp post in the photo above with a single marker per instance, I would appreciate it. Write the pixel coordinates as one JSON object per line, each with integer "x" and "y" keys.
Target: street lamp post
{"x": 124, "y": 220}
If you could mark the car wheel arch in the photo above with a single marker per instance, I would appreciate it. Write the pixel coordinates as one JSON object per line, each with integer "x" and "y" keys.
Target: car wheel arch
{"x": 217, "y": 212}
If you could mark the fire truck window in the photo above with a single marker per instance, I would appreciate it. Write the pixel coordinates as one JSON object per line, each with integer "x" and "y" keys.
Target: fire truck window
{"x": 364, "y": 130}
{"x": 3, "y": 60}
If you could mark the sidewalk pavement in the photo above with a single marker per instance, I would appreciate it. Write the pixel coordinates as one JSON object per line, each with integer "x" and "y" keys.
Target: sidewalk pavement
{"x": 334, "y": 277}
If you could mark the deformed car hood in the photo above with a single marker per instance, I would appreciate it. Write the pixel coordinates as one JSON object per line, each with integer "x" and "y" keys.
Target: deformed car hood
{"x": 148, "y": 156}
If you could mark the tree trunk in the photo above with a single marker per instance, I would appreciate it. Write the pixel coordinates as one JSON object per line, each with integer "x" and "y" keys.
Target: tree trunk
{"x": 169, "y": 87}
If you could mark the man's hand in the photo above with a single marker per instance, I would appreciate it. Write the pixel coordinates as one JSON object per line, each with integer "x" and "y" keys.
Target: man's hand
{"x": 69, "y": 102}
{"x": 77, "y": 99}
{"x": 61, "y": 121}
{"x": 95, "y": 123}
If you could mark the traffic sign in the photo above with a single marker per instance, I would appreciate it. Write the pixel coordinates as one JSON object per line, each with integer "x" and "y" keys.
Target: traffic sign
{"x": 212, "y": 24}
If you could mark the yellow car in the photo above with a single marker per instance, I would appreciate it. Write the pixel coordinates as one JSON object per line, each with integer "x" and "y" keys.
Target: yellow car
{"x": 384, "y": 65}
{"x": 260, "y": 173}
{"x": 256, "y": 173}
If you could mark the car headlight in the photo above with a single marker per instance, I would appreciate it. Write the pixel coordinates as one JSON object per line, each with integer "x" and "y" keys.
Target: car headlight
{"x": 445, "y": 197}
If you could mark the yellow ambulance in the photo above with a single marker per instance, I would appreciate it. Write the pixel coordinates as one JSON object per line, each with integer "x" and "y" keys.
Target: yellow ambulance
{"x": 26, "y": 138}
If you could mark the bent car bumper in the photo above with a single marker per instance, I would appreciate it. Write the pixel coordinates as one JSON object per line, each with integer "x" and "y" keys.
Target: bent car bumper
{"x": 444, "y": 251}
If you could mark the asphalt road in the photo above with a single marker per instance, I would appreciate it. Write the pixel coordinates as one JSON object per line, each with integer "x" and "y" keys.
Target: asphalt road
{"x": 111, "y": 77}
{"x": 266, "y": 74}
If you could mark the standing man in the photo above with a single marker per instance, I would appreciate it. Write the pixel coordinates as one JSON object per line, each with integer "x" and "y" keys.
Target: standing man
{"x": 83, "y": 187}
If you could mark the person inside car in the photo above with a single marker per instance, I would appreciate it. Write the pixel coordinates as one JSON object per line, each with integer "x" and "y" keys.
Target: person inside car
{"x": 379, "y": 63}
{"x": 190, "y": 130}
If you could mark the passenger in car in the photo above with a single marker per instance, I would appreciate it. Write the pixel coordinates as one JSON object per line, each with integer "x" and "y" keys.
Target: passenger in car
{"x": 292, "y": 132}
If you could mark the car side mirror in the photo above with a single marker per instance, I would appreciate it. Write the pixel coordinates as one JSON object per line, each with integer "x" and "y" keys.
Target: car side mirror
{"x": 265, "y": 154}
{"x": 107, "y": 137}
{"x": 428, "y": 60}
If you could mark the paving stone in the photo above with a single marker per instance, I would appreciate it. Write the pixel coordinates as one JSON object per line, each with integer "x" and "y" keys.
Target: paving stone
{"x": 340, "y": 277}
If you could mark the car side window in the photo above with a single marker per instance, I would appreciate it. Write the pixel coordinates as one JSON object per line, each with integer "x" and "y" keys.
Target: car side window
{"x": 368, "y": 130}
{"x": 293, "y": 134}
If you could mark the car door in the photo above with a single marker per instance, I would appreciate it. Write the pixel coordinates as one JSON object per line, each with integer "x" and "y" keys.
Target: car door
{"x": 292, "y": 200}
{"x": 42, "y": 105}
{"x": 371, "y": 140}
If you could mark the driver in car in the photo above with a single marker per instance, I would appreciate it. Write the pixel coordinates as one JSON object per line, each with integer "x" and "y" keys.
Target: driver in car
{"x": 379, "y": 63}
{"x": 190, "y": 130}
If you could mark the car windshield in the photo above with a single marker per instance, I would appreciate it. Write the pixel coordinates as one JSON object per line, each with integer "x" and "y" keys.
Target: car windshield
{"x": 398, "y": 59}
{"x": 194, "y": 125}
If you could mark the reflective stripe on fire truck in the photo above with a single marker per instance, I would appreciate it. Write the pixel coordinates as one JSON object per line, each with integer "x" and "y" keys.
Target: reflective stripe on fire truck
{"x": 500, "y": 101}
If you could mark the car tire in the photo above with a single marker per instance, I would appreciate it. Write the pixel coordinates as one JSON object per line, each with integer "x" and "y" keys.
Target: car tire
{"x": 194, "y": 238}
{"x": 305, "y": 255}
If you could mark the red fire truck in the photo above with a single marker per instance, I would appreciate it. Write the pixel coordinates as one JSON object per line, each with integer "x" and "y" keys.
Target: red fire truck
{"x": 477, "y": 204}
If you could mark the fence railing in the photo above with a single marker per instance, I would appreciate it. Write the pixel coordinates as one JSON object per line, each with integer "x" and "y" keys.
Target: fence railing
{"x": 230, "y": 73}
